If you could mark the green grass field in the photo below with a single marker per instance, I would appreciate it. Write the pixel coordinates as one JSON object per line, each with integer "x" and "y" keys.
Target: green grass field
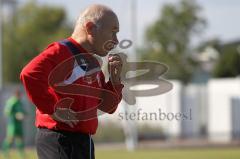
{"x": 233, "y": 153}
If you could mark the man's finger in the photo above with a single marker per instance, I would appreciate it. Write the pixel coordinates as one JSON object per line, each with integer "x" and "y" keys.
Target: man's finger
{"x": 114, "y": 57}
{"x": 115, "y": 63}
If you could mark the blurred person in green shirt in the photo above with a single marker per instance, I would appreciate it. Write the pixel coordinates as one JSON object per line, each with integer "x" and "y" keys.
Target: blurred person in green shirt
{"x": 15, "y": 114}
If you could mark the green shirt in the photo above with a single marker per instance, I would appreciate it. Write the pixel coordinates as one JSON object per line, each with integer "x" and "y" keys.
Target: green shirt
{"x": 13, "y": 107}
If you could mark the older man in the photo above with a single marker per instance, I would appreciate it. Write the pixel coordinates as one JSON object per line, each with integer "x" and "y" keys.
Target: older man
{"x": 67, "y": 75}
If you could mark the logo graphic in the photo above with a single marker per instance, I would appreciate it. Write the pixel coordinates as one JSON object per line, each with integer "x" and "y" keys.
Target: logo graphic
{"x": 65, "y": 77}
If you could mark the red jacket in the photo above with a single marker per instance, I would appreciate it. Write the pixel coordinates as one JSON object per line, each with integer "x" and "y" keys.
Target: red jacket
{"x": 35, "y": 78}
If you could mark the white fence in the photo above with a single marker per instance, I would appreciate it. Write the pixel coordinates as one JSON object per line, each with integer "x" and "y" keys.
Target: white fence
{"x": 222, "y": 94}
{"x": 208, "y": 110}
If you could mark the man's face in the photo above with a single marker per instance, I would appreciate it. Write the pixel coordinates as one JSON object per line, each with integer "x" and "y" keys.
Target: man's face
{"x": 106, "y": 36}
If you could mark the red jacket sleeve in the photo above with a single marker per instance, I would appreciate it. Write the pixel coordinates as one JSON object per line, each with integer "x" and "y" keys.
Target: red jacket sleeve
{"x": 34, "y": 77}
{"x": 117, "y": 89}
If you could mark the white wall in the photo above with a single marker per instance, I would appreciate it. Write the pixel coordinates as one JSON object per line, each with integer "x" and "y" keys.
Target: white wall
{"x": 220, "y": 93}
{"x": 210, "y": 105}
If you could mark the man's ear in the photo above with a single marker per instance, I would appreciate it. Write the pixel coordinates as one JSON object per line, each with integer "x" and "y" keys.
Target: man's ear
{"x": 90, "y": 28}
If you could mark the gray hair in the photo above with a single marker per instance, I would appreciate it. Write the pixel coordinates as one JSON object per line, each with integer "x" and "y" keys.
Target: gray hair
{"x": 93, "y": 16}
